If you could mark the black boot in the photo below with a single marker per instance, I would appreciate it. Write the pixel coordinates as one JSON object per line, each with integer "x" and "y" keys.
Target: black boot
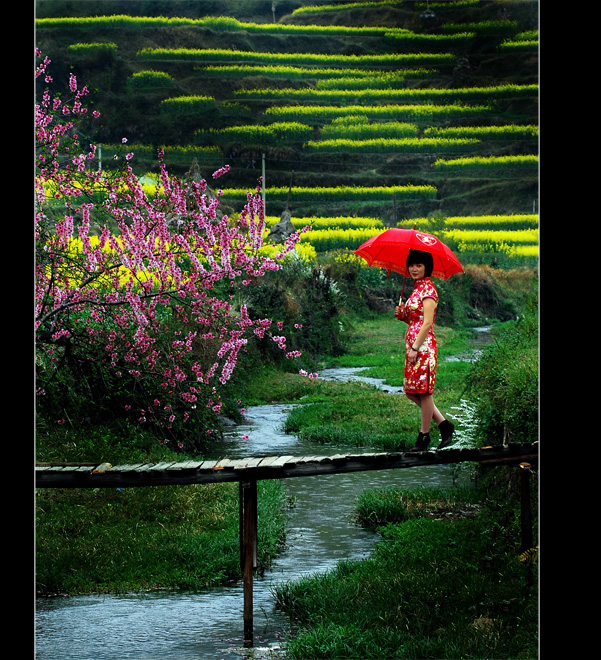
{"x": 446, "y": 433}
{"x": 423, "y": 440}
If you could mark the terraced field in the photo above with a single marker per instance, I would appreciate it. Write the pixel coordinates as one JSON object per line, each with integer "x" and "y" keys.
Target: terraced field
{"x": 398, "y": 111}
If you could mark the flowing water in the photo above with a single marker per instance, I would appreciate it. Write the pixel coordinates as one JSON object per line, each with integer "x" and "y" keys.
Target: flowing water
{"x": 208, "y": 624}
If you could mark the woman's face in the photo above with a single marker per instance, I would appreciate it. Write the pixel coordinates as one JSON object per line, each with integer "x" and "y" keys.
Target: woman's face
{"x": 417, "y": 271}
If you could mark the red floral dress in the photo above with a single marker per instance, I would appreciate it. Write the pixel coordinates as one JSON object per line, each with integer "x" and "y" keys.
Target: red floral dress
{"x": 421, "y": 376}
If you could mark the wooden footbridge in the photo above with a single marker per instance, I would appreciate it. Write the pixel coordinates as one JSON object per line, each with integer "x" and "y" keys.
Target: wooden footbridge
{"x": 247, "y": 471}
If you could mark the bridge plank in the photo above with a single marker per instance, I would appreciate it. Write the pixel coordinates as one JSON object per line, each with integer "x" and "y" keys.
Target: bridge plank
{"x": 266, "y": 467}
{"x": 143, "y": 467}
{"x": 281, "y": 461}
{"x": 316, "y": 459}
{"x": 181, "y": 465}
{"x": 190, "y": 465}
{"x": 207, "y": 465}
{"x": 267, "y": 461}
{"x": 254, "y": 462}
{"x": 130, "y": 467}
{"x": 239, "y": 464}
{"x": 222, "y": 464}
{"x": 162, "y": 465}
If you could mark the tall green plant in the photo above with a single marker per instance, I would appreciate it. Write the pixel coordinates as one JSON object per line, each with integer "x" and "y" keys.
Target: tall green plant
{"x": 504, "y": 384}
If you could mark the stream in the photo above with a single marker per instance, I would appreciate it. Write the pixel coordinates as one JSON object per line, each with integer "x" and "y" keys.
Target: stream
{"x": 208, "y": 624}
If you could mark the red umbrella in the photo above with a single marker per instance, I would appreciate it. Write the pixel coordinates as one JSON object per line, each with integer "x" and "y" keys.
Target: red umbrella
{"x": 389, "y": 250}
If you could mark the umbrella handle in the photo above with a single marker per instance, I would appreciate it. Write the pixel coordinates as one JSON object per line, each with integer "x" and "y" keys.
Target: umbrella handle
{"x": 402, "y": 291}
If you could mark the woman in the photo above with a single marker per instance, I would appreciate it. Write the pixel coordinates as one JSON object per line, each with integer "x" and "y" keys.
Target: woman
{"x": 420, "y": 359}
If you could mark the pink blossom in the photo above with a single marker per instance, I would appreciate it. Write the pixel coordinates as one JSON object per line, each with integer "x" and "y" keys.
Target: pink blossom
{"x": 220, "y": 172}
{"x": 171, "y": 252}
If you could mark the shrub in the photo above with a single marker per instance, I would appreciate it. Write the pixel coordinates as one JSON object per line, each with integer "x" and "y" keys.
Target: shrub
{"x": 504, "y": 384}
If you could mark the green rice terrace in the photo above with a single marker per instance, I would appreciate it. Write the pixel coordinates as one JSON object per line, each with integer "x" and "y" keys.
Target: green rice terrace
{"x": 384, "y": 112}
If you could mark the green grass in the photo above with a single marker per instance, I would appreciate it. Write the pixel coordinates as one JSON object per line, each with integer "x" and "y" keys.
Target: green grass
{"x": 138, "y": 539}
{"x": 360, "y": 415}
{"x": 381, "y": 341}
{"x": 356, "y": 415}
{"x": 379, "y": 507}
{"x": 435, "y": 587}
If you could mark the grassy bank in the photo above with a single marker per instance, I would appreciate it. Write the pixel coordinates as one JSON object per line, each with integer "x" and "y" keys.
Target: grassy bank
{"x": 138, "y": 539}
{"x": 445, "y": 581}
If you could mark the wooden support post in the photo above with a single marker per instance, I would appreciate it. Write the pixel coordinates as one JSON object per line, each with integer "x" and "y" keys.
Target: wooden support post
{"x": 248, "y": 551}
{"x": 526, "y": 518}
{"x": 525, "y": 508}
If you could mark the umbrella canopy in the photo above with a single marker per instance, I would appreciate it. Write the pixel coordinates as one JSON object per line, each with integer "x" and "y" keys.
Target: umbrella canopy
{"x": 389, "y": 250}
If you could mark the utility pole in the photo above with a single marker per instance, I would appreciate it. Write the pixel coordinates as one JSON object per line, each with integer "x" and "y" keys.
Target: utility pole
{"x": 263, "y": 182}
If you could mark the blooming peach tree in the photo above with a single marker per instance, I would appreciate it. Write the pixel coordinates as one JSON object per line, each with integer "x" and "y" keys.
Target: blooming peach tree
{"x": 141, "y": 284}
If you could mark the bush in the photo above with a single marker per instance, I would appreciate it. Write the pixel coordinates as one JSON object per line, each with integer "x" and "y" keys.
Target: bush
{"x": 86, "y": 397}
{"x": 307, "y": 299}
{"x": 504, "y": 384}
{"x": 477, "y": 296}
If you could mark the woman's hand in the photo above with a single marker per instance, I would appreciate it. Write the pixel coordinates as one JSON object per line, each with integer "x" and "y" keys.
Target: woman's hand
{"x": 411, "y": 355}
{"x": 399, "y": 311}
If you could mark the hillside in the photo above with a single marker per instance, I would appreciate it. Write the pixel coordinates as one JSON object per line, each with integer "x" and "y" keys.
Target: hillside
{"x": 480, "y": 58}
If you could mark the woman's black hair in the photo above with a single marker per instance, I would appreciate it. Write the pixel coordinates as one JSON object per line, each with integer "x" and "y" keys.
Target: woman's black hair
{"x": 421, "y": 257}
